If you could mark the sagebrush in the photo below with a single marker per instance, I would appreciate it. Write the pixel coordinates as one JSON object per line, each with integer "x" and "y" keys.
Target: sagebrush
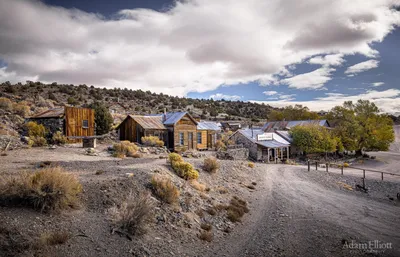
{"x": 182, "y": 169}
{"x": 48, "y": 189}
{"x": 211, "y": 165}
{"x": 165, "y": 189}
{"x": 152, "y": 141}
{"x": 124, "y": 148}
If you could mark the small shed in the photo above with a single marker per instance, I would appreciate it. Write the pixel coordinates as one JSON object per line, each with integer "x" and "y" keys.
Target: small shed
{"x": 72, "y": 121}
{"x": 207, "y": 132}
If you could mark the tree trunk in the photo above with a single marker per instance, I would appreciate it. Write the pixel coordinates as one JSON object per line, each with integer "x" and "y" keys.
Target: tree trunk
{"x": 359, "y": 152}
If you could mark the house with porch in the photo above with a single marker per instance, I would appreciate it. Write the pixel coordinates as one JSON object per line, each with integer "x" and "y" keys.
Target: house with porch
{"x": 263, "y": 146}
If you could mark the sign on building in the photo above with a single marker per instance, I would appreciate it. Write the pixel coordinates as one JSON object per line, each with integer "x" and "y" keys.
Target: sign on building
{"x": 265, "y": 136}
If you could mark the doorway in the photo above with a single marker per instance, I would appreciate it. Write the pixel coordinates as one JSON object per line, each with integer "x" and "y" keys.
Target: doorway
{"x": 190, "y": 140}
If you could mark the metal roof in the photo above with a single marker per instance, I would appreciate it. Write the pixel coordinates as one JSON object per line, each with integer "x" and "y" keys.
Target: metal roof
{"x": 285, "y": 134}
{"x": 276, "y": 142}
{"x": 208, "y": 125}
{"x": 149, "y": 122}
{"x": 51, "y": 113}
{"x": 282, "y": 125}
{"x": 173, "y": 117}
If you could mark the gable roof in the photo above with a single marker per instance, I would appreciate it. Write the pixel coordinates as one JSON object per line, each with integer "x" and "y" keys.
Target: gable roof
{"x": 149, "y": 122}
{"x": 285, "y": 125}
{"x": 208, "y": 125}
{"x": 171, "y": 118}
{"x": 51, "y": 113}
{"x": 252, "y": 135}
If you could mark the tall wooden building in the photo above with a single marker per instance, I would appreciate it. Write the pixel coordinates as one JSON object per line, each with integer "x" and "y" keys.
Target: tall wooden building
{"x": 71, "y": 121}
{"x": 207, "y": 132}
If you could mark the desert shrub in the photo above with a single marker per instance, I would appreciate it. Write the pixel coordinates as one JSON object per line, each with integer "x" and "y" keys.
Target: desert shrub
{"x": 59, "y": 138}
{"x": 47, "y": 190}
{"x": 251, "y": 164}
{"x": 198, "y": 186}
{"x": 185, "y": 170}
{"x": 236, "y": 209}
{"x": 35, "y": 130}
{"x": 134, "y": 214}
{"x": 220, "y": 145}
{"x": 37, "y": 141}
{"x": 222, "y": 190}
{"x": 124, "y": 148}
{"x": 206, "y": 236}
{"x": 102, "y": 118}
{"x": 211, "y": 211}
{"x": 54, "y": 238}
{"x": 164, "y": 189}
{"x": 174, "y": 157}
{"x": 211, "y": 165}
{"x": 152, "y": 141}
{"x": 21, "y": 108}
{"x": 206, "y": 226}
{"x": 346, "y": 165}
{"x": 137, "y": 155}
{"x": 6, "y": 104}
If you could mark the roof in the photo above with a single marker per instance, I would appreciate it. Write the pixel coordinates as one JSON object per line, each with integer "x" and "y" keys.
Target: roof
{"x": 285, "y": 125}
{"x": 276, "y": 142}
{"x": 51, "y": 113}
{"x": 208, "y": 125}
{"x": 149, "y": 122}
{"x": 285, "y": 135}
{"x": 173, "y": 117}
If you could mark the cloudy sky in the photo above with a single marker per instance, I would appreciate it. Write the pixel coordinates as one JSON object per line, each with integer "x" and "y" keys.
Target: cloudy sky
{"x": 313, "y": 52}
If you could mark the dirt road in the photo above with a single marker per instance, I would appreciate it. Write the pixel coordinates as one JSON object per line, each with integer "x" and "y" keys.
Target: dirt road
{"x": 297, "y": 213}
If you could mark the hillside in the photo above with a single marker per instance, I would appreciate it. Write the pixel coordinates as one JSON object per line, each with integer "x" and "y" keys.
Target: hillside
{"x": 133, "y": 101}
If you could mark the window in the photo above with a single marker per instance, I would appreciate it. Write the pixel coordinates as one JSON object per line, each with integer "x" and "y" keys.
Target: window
{"x": 181, "y": 141}
{"x": 199, "y": 137}
{"x": 85, "y": 124}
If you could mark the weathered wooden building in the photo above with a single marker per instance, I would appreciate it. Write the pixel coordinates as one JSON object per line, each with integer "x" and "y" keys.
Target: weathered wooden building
{"x": 72, "y": 121}
{"x": 207, "y": 132}
{"x": 231, "y": 125}
{"x": 177, "y": 129}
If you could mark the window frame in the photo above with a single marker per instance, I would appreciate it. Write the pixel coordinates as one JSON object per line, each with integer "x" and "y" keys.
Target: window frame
{"x": 181, "y": 138}
{"x": 199, "y": 138}
{"x": 83, "y": 124}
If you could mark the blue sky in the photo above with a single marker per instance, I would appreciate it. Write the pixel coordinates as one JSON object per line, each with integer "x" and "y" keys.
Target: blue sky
{"x": 315, "y": 53}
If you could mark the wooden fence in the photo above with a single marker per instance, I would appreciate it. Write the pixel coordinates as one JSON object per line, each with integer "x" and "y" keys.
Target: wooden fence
{"x": 342, "y": 168}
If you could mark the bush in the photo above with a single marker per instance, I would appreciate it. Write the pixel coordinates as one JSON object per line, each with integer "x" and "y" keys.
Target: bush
{"x": 174, "y": 157}
{"x": 49, "y": 189}
{"x": 206, "y": 236}
{"x": 6, "y": 104}
{"x": 198, "y": 186}
{"x": 124, "y": 148}
{"x": 206, "y": 226}
{"x": 72, "y": 101}
{"x": 346, "y": 165}
{"x": 21, "y": 108}
{"x": 251, "y": 164}
{"x": 236, "y": 209}
{"x": 133, "y": 214}
{"x": 164, "y": 189}
{"x": 54, "y": 238}
{"x": 185, "y": 170}
{"x": 211, "y": 165}
{"x": 152, "y": 141}
{"x": 35, "y": 130}
{"x": 59, "y": 138}
{"x": 102, "y": 118}
{"x": 220, "y": 145}
{"x": 37, "y": 141}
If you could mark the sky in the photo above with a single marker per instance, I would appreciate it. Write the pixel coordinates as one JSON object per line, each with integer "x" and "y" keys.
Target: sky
{"x": 317, "y": 53}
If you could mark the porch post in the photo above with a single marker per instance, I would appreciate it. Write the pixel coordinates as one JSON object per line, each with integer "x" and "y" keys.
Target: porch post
{"x": 287, "y": 150}
{"x": 268, "y": 154}
{"x": 281, "y": 154}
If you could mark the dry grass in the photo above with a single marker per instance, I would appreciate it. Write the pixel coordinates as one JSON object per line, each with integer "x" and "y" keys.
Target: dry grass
{"x": 164, "y": 189}
{"x": 346, "y": 165}
{"x": 211, "y": 165}
{"x": 206, "y": 226}
{"x": 124, "y": 148}
{"x": 49, "y": 189}
{"x": 174, "y": 157}
{"x": 183, "y": 169}
{"x": 197, "y": 185}
{"x": 206, "y": 236}
{"x": 222, "y": 190}
{"x": 54, "y": 238}
{"x": 152, "y": 141}
{"x": 59, "y": 138}
{"x": 236, "y": 209}
{"x": 134, "y": 214}
{"x": 251, "y": 164}
{"x": 200, "y": 213}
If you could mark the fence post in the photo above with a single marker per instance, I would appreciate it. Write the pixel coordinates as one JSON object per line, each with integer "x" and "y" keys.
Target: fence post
{"x": 363, "y": 182}
{"x": 342, "y": 169}
{"x": 327, "y": 167}
{"x": 382, "y": 175}
{"x": 364, "y": 173}
{"x": 308, "y": 165}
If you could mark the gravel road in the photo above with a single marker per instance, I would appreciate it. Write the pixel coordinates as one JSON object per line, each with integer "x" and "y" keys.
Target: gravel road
{"x": 295, "y": 214}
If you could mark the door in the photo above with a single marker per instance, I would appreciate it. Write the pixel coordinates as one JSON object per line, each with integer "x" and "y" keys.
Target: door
{"x": 190, "y": 140}
{"x": 210, "y": 142}
{"x": 170, "y": 140}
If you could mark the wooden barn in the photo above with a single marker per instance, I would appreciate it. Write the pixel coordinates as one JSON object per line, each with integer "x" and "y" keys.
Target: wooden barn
{"x": 177, "y": 129}
{"x": 207, "y": 132}
{"x": 72, "y": 121}
{"x": 134, "y": 127}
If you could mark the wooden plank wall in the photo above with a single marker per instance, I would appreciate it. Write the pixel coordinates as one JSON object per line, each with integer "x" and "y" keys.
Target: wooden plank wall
{"x": 186, "y": 126}
{"x": 204, "y": 143}
{"x": 74, "y": 120}
{"x": 128, "y": 129}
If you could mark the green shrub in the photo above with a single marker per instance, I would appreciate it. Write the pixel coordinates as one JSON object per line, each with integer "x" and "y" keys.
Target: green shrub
{"x": 6, "y": 104}
{"x": 35, "y": 130}
{"x": 251, "y": 164}
{"x": 59, "y": 138}
{"x": 37, "y": 141}
{"x": 346, "y": 165}
{"x": 152, "y": 141}
{"x": 124, "y": 148}
{"x": 21, "y": 108}
{"x": 174, "y": 157}
{"x": 185, "y": 170}
{"x": 164, "y": 189}
{"x": 48, "y": 189}
{"x": 211, "y": 165}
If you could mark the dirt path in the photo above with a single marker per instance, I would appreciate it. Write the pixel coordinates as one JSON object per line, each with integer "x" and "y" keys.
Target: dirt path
{"x": 295, "y": 216}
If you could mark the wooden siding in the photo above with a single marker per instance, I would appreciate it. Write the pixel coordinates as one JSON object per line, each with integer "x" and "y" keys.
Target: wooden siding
{"x": 204, "y": 143}
{"x": 74, "y": 122}
{"x": 185, "y": 126}
{"x": 127, "y": 130}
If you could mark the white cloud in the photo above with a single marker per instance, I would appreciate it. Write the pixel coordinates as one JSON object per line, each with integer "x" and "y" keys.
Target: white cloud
{"x": 362, "y": 66}
{"x": 269, "y": 93}
{"x": 220, "y": 96}
{"x": 328, "y": 60}
{"x": 387, "y": 100}
{"x": 378, "y": 84}
{"x": 195, "y": 46}
{"x": 311, "y": 80}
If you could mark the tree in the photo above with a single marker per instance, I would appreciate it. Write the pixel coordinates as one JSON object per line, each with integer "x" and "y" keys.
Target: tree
{"x": 360, "y": 126}
{"x": 102, "y": 118}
